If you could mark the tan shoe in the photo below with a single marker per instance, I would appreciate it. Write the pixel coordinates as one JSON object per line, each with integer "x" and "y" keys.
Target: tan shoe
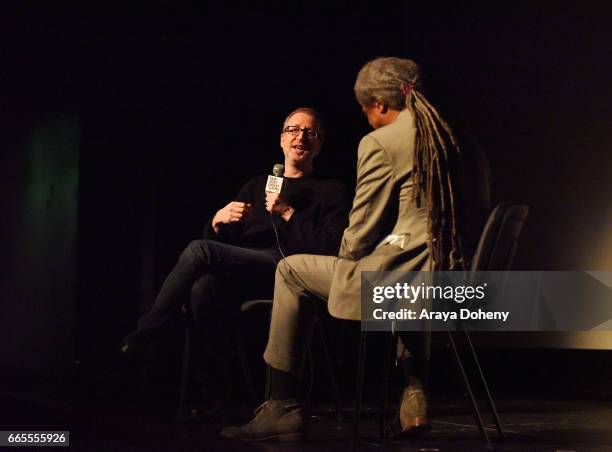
{"x": 413, "y": 411}
{"x": 274, "y": 419}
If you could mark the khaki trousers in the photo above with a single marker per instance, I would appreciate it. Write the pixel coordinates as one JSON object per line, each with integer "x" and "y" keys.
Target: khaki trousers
{"x": 301, "y": 289}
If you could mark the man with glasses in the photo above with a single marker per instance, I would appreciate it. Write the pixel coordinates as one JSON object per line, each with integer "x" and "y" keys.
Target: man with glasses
{"x": 242, "y": 244}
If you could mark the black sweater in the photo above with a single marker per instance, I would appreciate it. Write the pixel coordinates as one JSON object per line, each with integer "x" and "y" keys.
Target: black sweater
{"x": 316, "y": 226}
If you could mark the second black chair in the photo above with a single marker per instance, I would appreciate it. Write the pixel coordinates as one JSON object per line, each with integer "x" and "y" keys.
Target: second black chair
{"x": 495, "y": 252}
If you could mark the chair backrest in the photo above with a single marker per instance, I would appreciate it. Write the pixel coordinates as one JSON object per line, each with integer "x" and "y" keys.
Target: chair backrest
{"x": 499, "y": 238}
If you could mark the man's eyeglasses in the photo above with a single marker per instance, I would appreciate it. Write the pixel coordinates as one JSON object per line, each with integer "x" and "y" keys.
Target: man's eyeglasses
{"x": 295, "y": 131}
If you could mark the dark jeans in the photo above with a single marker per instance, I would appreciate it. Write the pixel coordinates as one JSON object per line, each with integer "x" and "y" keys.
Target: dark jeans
{"x": 210, "y": 271}
{"x": 212, "y": 279}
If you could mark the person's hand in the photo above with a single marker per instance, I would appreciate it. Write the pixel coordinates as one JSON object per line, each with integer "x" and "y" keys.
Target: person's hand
{"x": 275, "y": 204}
{"x": 232, "y": 213}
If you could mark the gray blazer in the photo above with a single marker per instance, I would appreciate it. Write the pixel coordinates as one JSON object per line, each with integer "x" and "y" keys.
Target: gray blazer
{"x": 383, "y": 206}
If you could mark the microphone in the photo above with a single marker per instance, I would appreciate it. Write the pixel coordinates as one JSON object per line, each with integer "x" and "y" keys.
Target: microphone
{"x": 275, "y": 182}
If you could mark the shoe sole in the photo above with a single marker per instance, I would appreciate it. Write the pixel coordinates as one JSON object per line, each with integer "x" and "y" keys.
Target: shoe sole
{"x": 282, "y": 438}
{"x": 417, "y": 426}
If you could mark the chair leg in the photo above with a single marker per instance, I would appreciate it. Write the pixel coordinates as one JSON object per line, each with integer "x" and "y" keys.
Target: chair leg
{"x": 332, "y": 374}
{"x": 244, "y": 364}
{"x": 311, "y": 382}
{"x": 477, "y": 415}
{"x": 268, "y": 385}
{"x": 182, "y": 414}
{"x": 360, "y": 372}
{"x": 386, "y": 364}
{"x": 498, "y": 424}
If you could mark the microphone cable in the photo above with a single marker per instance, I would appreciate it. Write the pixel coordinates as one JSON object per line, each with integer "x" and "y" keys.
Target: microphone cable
{"x": 278, "y": 245}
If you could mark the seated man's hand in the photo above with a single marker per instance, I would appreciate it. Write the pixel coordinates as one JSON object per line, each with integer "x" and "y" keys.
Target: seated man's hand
{"x": 277, "y": 205}
{"x": 232, "y": 213}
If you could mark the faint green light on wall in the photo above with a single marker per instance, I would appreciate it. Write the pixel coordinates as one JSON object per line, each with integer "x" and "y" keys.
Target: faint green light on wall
{"x": 53, "y": 166}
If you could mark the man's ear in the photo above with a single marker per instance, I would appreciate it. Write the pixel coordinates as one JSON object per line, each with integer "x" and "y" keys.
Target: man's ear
{"x": 384, "y": 108}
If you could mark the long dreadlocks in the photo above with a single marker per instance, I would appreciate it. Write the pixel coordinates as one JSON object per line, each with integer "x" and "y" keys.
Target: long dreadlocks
{"x": 396, "y": 83}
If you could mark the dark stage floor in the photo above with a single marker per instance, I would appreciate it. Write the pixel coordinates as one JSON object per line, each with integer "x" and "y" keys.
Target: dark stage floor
{"x": 109, "y": 423}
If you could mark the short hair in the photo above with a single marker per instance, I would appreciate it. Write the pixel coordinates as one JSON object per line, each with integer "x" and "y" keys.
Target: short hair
{"x": 385, "y": 79}
{"x": 312, "y": 112}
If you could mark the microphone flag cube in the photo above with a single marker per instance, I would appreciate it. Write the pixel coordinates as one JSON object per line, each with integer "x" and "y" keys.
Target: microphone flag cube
{"x": 274, "y": 184}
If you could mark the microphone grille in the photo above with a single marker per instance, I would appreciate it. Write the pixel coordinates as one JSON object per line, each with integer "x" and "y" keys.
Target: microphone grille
{"x": 278, "y": 170}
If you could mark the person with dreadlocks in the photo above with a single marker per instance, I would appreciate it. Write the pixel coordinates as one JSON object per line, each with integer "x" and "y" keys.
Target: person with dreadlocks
{"x": 404, "y": 217}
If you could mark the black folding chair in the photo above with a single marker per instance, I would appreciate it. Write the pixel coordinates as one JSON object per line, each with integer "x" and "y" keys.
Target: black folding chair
{"x": 188, "y": 351}
{"x": 249, "y": 305}
{"x": 495, "y": 252}
{"x": 187, "y": 370}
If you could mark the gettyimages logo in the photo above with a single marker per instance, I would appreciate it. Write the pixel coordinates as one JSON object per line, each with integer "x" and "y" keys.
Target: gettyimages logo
{"x": 486, "y": 301}
{"x": 411, "y": 293}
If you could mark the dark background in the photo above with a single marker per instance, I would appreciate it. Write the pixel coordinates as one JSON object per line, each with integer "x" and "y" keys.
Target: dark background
{"x": 124, "y": 132}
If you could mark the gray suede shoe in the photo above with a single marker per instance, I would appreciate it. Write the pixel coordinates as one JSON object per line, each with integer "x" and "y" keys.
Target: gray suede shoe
{"x": 281, "y": 420}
